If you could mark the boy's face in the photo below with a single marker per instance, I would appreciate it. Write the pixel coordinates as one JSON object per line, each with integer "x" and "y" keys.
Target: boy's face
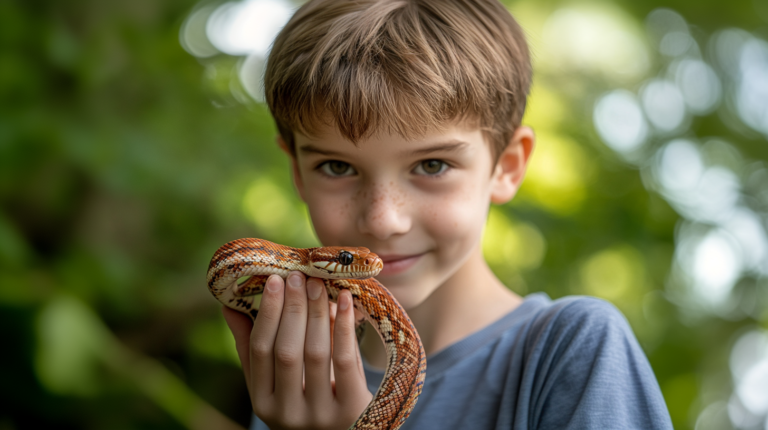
{"x": 419, "y": 204}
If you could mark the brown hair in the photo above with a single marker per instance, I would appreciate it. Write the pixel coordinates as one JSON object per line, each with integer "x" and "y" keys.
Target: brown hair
{"x": 404, "y": 66}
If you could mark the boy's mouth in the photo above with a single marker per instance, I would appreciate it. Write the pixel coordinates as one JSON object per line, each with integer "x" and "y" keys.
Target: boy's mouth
{"x": 396, "y": 264}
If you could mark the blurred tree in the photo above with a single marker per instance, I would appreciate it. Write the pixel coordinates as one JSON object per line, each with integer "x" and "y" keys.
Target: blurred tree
{"x": 125, "y": 162}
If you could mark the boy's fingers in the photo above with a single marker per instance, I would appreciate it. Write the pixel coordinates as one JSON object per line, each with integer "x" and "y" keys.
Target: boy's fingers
{"x": 317, "y": 347}
{"x": 289, "y": 344}
{"x": 262, "y": 339}
{"x": 350, "y": 382}
{"x": 241, "y": 326}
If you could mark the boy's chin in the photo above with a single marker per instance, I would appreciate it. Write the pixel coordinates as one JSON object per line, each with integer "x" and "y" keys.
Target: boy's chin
{"x": 408, "y": 295}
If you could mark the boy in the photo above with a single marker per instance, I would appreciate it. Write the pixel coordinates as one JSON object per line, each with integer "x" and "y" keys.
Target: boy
{"x": 402, "y": 123}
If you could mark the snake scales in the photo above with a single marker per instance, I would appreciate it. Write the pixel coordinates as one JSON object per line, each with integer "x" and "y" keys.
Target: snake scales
{"x": 406, "y": 361}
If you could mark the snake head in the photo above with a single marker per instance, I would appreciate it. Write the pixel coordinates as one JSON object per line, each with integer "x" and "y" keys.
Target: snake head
{"x": 340, "y": 262}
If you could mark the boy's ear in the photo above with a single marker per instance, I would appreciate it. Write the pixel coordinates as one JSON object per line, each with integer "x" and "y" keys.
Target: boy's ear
{"x": 297, "y": 182}
{"x": 511, "y": 165}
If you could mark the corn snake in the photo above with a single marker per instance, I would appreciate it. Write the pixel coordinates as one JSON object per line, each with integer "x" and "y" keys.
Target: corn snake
{"x": 340, "y": 268}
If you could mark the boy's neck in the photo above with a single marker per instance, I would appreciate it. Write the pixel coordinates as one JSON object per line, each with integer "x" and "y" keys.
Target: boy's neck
{"x": 471, "y": 299}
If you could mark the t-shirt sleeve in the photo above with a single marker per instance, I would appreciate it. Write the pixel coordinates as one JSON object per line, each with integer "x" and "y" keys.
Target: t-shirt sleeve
{"x": 257, "y": 424}
{"x": 591, "y": 372}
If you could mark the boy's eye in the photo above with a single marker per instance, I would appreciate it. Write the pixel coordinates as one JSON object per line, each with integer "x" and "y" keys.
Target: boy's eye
{"x": 431, "y": 167}
{"x": 337, "y": 168}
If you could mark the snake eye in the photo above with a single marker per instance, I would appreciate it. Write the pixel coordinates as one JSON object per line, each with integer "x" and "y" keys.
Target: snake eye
{"x": 345, "y": 258}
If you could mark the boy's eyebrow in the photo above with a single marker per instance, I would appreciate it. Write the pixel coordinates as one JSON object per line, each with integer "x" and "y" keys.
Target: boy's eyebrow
{"x": 449, "y": 146}
{"x": 311, "y": 149}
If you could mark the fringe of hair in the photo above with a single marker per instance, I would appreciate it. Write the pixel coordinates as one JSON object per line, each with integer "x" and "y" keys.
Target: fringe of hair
{"x": 400, "y": 66}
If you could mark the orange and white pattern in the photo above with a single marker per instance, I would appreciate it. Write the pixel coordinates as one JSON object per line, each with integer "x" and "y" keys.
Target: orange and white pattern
{"x": 341, "y": 268}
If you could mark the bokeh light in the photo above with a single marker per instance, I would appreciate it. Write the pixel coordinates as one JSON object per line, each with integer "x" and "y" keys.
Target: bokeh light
{"x": 752, "y": 93}
{"x": 192, "y": 35}
{"x": 244, "y": 28}
{"x": 670, "y": 32}
{"x": 595, "y": 39}
{"x": 749, "y": 366}
{"x": 247, "y": 27}
{"x": 699, "y": 85}
{"x": 664, "y": 105}
{"x": 715, "y": 267}
{"x": 620, "y": 121}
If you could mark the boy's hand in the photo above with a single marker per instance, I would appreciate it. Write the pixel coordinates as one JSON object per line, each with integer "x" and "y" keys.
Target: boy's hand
{"x": 294, "y": 350}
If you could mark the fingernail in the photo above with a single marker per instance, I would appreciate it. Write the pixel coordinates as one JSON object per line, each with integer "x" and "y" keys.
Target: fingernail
{"x": 314, "y": 288}
{"x": 294, "y": 281}
{"x": 343, "y": 301}
{"x": 274, "y": 283}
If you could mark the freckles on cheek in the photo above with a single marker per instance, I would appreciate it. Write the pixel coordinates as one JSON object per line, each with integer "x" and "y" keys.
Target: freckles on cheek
{"x": 331, "y": 219}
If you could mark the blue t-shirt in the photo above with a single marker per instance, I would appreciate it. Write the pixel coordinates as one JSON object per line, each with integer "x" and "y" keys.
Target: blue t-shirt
{"x": 571, "y": 363}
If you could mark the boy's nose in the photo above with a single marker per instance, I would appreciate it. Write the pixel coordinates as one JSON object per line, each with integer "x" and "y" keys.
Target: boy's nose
{"x": 383, "y": 213}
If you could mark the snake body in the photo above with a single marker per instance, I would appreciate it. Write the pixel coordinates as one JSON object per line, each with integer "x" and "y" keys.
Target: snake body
{"x": 406, "y": 361}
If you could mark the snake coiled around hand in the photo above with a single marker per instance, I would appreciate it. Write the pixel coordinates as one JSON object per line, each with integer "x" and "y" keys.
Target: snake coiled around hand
{"x": 341, "y": 268}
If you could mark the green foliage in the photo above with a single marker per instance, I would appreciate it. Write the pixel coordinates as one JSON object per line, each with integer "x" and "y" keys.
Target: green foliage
{"x": 125, "y": 162}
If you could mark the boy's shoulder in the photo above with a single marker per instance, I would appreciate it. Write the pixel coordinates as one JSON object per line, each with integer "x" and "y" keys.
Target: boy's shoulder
{"x": 582, "y": 357}
{"x": 575, "y": 314}
{"x": 581, "y": 326}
